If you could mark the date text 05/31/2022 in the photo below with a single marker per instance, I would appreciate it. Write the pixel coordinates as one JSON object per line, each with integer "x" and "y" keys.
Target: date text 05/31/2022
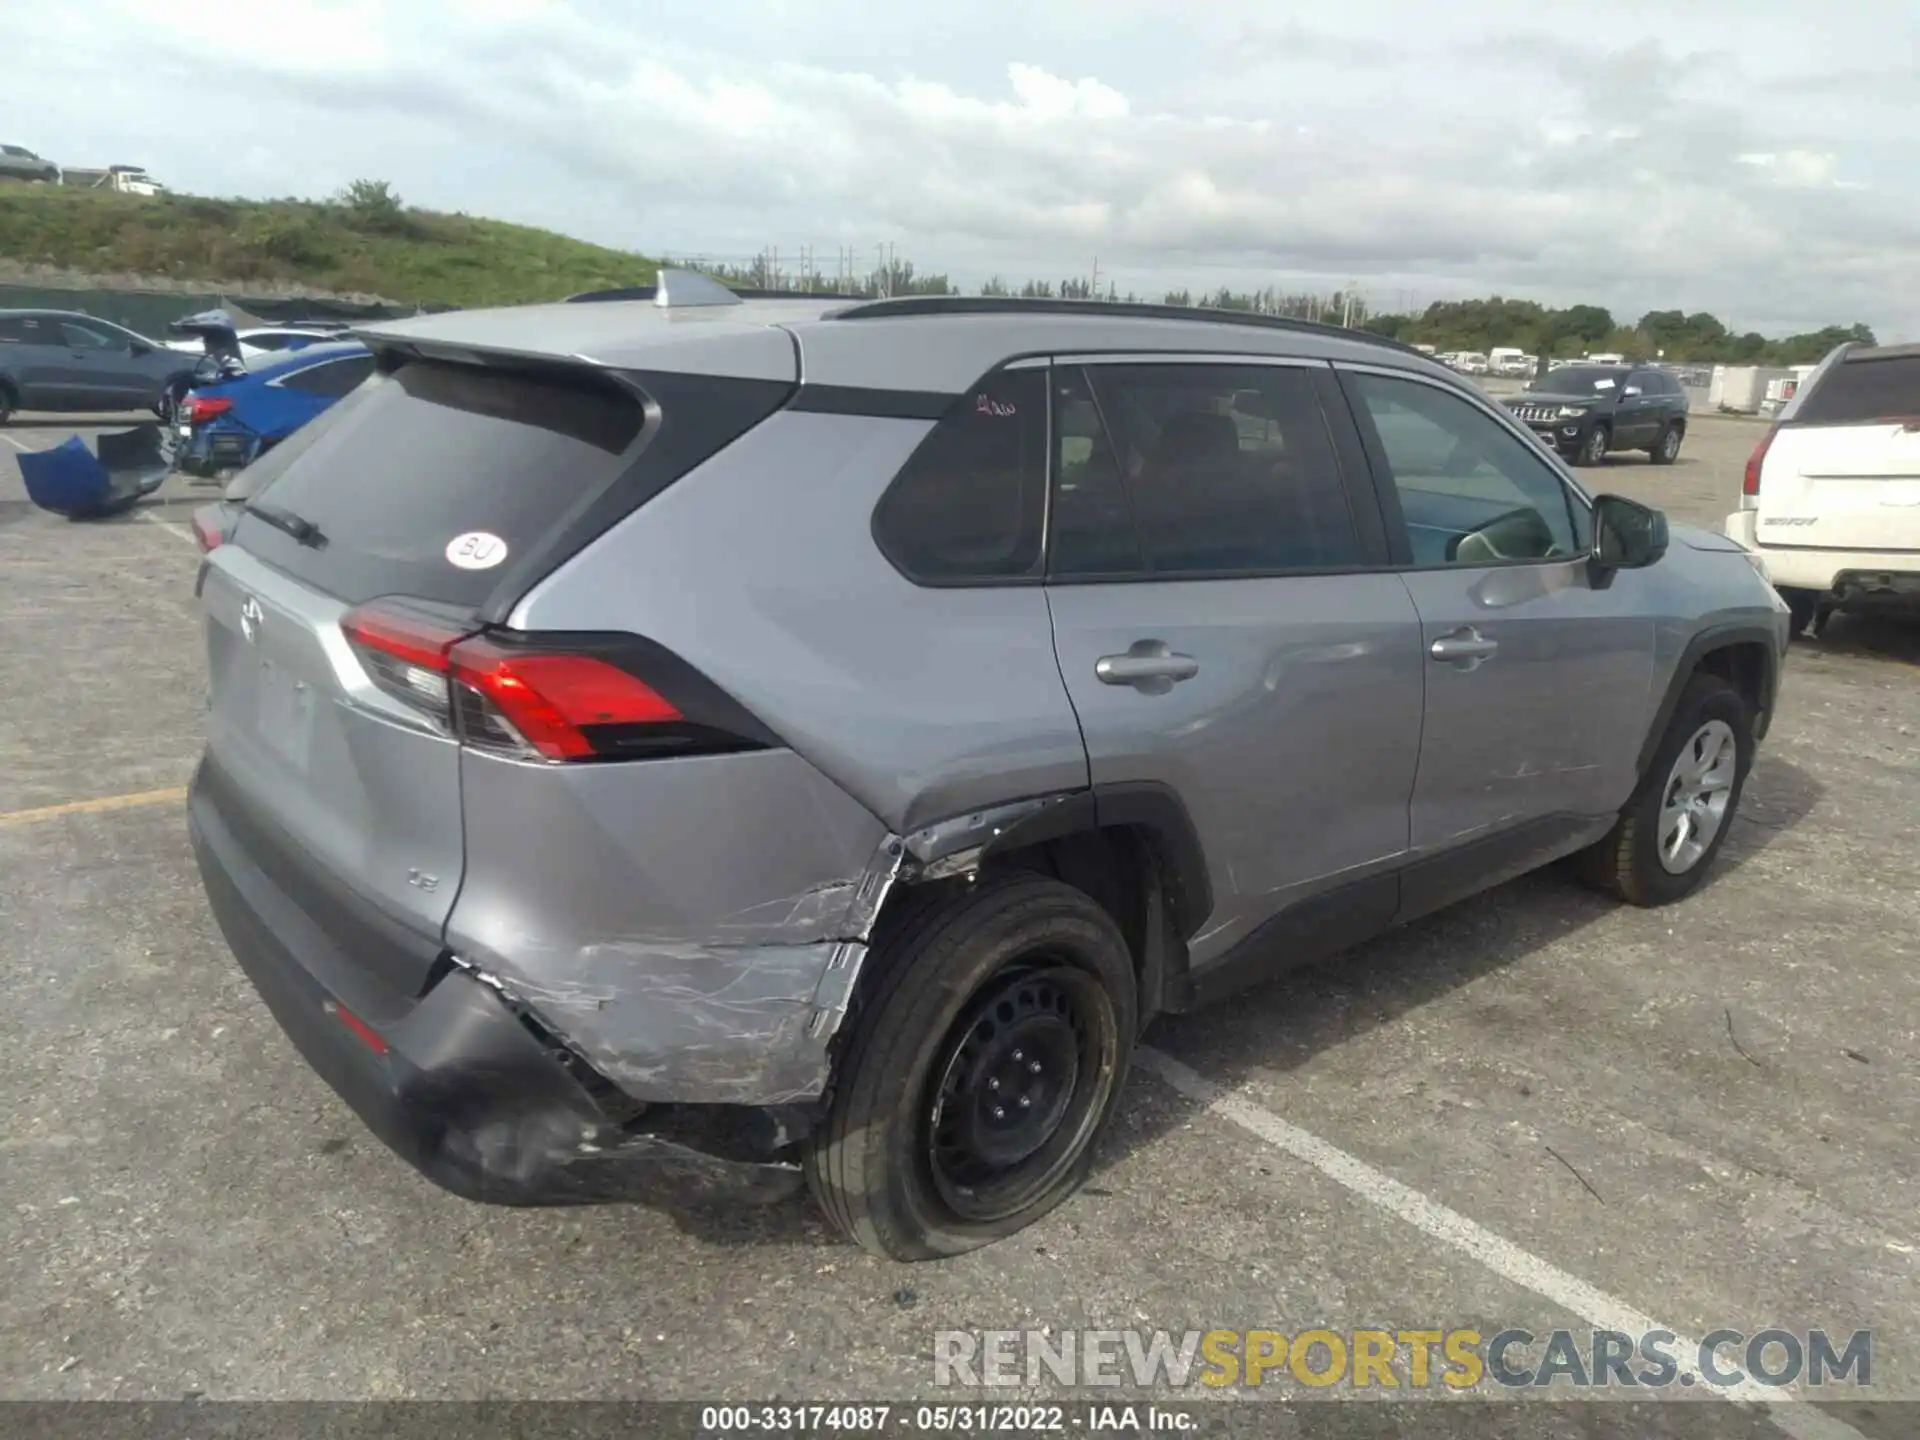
{"x": 720, "y": 1420}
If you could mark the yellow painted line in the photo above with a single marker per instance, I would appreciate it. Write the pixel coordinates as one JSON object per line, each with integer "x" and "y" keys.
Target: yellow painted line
{"x": 173, "y": 795}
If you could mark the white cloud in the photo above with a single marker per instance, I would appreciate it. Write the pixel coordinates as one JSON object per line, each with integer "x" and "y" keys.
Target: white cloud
{"x": 1754, "y": 170}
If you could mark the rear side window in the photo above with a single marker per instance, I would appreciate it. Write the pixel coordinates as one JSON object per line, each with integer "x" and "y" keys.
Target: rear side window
{"x": 1857, "y": 392}
{"x": 333, "y": 378}
{"x": 1197, "y": 470}
{"x": 966, "y": 507}
{"x": 392, "y": 477}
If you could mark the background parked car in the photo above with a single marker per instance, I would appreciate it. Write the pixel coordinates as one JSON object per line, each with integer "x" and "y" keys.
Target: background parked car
{"x": 226, "y": 424}
{"x": 264, "y": 340}
{"x": 1831, "y": 499}
{"x": 19, "y": 163}
{"x": 62, "y": 361}
{"x": 1584, "y": 411}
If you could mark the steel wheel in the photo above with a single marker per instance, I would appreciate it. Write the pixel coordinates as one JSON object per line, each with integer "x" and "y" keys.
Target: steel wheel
{"x": 1021, "y": 1081}
{"x": 1699, "y": 787}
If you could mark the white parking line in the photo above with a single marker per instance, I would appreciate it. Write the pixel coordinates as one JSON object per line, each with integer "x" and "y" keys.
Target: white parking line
{"x": 24, "y": 450}
{"x": 1501, "y": 1256}
{"x": 177, "y": 531}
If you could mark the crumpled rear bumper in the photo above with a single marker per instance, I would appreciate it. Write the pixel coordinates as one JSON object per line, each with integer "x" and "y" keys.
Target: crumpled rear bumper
{"x": 458, "y": 1084}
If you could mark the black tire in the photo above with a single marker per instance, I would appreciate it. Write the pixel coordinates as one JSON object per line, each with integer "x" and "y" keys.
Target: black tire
{"x": 1801, "y": 605}
{"x": 1667, "y": 448}
{"x": 877, "y": 1165}
{"x": 1627, "y": 864}
{"x": 1593, "y": 446}
{"x": 6, "y": 402}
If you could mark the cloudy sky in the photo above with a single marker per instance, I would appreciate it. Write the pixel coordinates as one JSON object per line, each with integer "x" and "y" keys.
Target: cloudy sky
{"x": 1756, "y": 158}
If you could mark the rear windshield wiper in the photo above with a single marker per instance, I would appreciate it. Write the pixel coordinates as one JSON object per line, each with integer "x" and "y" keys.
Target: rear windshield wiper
{"x": 301, "y": 529}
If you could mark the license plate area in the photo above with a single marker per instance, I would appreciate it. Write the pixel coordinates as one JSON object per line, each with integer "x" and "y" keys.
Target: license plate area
{"x": 284, "y": 714}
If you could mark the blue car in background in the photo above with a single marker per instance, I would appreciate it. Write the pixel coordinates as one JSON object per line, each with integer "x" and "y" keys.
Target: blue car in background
{"x": 226, "y": 423}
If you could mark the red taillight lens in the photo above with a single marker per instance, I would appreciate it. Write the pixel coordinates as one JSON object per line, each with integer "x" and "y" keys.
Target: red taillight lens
{"x": 202, "y": 408}
{"x": 551, "y": 700}
{"x": 207, "y": 537}
{"x": 520, "y": 700}
{"x": 1750, "y": 484}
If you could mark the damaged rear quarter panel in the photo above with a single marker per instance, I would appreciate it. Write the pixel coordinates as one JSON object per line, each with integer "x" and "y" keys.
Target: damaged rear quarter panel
{"x": 673, "y": 920}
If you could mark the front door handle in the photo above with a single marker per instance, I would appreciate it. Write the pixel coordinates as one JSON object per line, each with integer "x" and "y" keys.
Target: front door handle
{"x": 1149, "y": 666}
{"x": 1465, "y": 647}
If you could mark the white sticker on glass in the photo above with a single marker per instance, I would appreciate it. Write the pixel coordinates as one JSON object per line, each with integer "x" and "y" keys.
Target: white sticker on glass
{"x": 476, "y": 550}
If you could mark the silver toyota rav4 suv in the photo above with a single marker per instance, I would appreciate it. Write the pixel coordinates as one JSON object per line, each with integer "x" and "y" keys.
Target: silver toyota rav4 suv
{"x": 689, "y": 746}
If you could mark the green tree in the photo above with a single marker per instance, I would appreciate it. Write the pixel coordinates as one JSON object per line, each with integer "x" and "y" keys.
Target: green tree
{"x": 374, "y": 206}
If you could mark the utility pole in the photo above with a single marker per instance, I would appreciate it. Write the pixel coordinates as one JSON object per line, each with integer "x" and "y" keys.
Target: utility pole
{"x": 1093, "y": 291}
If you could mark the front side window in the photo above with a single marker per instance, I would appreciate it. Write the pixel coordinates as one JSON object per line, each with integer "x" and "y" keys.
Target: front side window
{"x": 85, "y": 337}
{"x": 966, "y": 507}
{"x": 1471, "y": 492}
{"x": 1196, "y": 470}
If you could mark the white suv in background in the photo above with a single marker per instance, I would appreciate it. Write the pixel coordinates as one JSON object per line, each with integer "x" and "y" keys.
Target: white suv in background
{"x": 1831, "y": 499}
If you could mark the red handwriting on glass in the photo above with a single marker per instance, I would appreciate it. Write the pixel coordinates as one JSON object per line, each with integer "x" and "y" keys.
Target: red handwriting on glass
{"x": 987, "y": 405}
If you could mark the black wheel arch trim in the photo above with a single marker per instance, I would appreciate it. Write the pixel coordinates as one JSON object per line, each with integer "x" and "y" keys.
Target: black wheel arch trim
{"x": 1146, "y": 805}
{"x": 1703, "y": 644}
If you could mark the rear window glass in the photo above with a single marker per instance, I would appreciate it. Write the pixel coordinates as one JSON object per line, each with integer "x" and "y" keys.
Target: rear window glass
{"x": 394, "y": 475}
{"x": 1861, "y": 391}
{"x": 966, "y": 507}
{"x": 331, "y": 378}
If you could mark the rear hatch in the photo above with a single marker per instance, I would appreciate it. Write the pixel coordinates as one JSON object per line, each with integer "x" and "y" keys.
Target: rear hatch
{"x": 372, "y": 539}
{"x": 1842, "y": 471}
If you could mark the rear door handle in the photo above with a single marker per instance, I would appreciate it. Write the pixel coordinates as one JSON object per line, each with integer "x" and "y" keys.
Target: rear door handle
{"x": 1465, "y": 647}
{"x": 1150, "y": 666}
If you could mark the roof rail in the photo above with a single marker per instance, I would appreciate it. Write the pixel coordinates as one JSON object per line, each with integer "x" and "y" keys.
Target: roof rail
{"x": 683, "y": 287}
{"x": 1021, "y": 305}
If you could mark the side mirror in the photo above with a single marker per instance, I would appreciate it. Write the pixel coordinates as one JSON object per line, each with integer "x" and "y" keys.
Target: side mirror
{"x": 1626, "y": 536}
{"x": 136, "y": 348}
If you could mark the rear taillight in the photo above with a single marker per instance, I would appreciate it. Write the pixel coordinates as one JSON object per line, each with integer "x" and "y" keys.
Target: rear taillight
{"x": 202, "y": 408}
{"x": 1750, "y": 484}
{"x": 207, "y": 537}
{"x": 404, "y": 654}
{"x": 554, "y": 703}
{"x": 521, "y": 695}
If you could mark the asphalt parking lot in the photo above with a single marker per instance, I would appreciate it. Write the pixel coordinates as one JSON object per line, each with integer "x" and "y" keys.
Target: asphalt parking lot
{"x": 1536, "y": 1110}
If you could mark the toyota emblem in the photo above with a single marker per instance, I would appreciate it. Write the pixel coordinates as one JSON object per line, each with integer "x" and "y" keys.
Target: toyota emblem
{"x": 250, "y": 618}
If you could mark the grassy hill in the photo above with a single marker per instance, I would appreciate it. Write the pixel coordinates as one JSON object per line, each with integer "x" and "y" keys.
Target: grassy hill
{"x": 365, "y": 242}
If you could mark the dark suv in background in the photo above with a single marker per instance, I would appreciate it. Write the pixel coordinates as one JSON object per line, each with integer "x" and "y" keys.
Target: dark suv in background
{"x": 1584, "y": 411}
